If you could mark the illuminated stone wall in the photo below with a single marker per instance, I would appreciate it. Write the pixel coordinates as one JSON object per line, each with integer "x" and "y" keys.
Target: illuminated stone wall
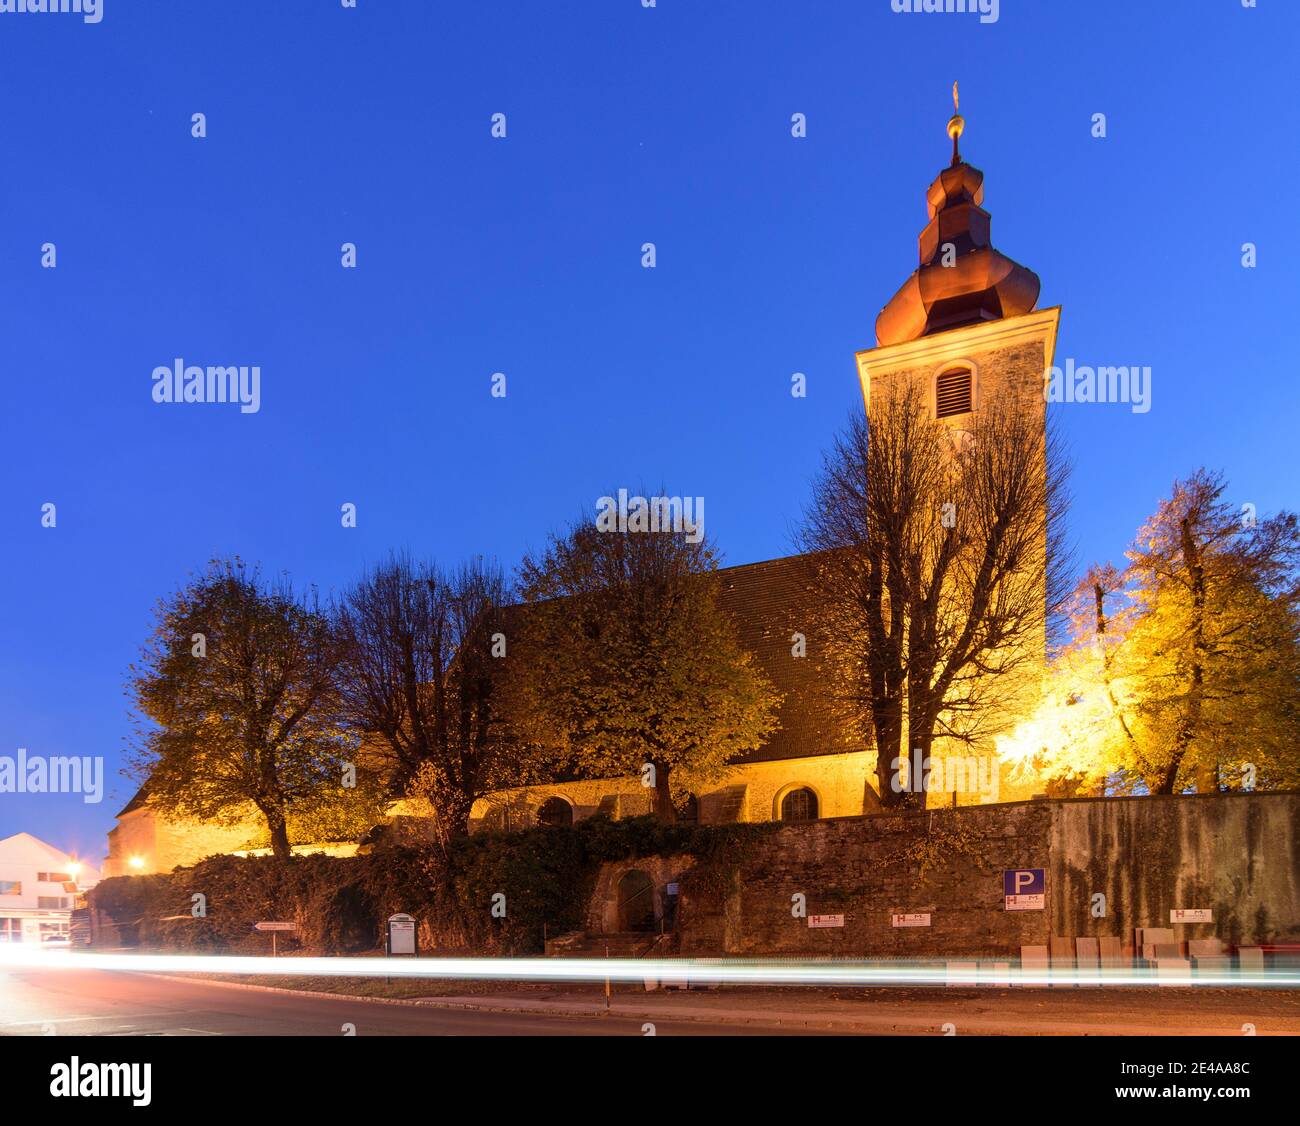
{"x": 163, "y": 844}
{"x": 751, "y": 792}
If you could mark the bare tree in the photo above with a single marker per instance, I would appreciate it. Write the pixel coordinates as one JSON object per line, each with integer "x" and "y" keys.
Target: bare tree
{"x": 421, "y": 654}
{"x": 938, "y": 569}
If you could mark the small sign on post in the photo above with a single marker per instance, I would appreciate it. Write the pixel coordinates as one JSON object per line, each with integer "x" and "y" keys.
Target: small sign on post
{"x": 401, "y": 936}
{"x": 274, "y": 928}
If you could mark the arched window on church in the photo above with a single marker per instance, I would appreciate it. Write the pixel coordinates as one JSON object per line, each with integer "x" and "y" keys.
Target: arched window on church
{"x": 799, "y": 805}
{"x": 556, "y": 813}
{"x": 952, "y": 393}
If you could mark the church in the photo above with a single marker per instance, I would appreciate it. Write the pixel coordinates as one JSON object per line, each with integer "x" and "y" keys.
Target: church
{"x": 962, "y": 326}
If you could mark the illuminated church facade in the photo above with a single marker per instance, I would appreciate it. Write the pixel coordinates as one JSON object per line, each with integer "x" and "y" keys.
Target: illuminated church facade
{"x": 963, "y": 326}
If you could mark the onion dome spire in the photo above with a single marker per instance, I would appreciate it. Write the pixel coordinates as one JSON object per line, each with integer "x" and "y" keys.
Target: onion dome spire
{"x": 961, "y": 279}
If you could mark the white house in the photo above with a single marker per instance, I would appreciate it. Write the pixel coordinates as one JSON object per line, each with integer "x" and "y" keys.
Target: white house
{"x": 39, "y": 886}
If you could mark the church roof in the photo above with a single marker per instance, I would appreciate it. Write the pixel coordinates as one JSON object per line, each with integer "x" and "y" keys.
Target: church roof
{"x": 770, "y": 601}
{"x": 139, "y": 801}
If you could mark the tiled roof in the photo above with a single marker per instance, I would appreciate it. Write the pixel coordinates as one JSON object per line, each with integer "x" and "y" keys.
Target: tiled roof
{"x": 769, "y": 602}
{"x": 137, "y": 802}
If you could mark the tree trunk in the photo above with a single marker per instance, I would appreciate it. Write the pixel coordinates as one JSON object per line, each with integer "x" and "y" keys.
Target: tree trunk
{"x": 889, "y": 750}
{"x": 918, "y": 770}
{"x": 279, "y": 834}
{"x": 663, "y": 803}
{"x": 1167, "y": 779}
{"x": 1196, "y": 575}
{"x": 452, "y": 814}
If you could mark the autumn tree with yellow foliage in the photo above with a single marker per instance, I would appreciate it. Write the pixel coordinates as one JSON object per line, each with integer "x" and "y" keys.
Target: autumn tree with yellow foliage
{"x": 1184, "y": 669}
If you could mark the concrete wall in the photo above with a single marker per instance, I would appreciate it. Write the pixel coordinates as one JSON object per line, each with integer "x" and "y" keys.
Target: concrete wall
{"x": 1233, "y": 854}
{"x": 1236, "y": 854}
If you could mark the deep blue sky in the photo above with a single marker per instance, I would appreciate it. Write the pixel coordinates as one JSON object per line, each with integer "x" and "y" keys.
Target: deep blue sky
{"x": 625, "y": 125}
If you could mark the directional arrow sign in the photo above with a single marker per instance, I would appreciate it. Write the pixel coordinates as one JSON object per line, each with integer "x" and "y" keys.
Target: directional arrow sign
{"x": 275, "y": 926}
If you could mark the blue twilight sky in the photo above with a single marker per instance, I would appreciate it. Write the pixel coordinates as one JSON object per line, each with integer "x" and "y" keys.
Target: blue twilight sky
{"x": 625, "y": 125}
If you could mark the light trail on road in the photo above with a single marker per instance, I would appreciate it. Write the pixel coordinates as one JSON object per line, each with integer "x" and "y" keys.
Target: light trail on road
{"x": 695, "y": 971}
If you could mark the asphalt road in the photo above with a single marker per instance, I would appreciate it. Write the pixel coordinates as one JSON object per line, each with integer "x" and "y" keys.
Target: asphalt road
{"x": 105, "y": 1003}
{"x": 91, "y": 1002}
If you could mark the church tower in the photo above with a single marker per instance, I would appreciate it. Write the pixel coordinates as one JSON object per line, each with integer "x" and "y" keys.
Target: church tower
{"x": 964, "y": 327}
{"x": 964, "y": 322}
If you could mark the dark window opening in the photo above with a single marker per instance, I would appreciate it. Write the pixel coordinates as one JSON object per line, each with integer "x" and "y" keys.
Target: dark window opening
{"x": 556, "y": 813}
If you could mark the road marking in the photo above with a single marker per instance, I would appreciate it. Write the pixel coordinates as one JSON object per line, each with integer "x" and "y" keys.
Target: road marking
{"x": 57, "y": 1020}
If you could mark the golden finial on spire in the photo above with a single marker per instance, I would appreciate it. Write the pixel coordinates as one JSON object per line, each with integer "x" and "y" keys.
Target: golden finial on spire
{"x": 956, "y": 125}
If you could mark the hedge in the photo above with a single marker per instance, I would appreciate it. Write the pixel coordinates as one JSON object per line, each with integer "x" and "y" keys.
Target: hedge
{"x": 547, "y": 875}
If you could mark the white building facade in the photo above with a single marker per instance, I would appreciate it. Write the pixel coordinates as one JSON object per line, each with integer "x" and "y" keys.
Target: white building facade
{"x": 39, "y": 887}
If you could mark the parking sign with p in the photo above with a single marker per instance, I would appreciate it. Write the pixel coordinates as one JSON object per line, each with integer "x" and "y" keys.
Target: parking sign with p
{"x": 1024, "y": 889}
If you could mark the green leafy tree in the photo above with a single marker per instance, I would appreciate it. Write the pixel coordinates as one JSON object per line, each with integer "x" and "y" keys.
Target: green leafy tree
{"x": 236, "y": 700}
{"x": 629, "y": 662}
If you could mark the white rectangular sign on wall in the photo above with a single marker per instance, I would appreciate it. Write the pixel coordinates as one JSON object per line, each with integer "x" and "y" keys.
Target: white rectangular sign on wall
{"x": 914, "y": 920}
{"x": 1192, "y": 915}
{"x": 825, "y": 920}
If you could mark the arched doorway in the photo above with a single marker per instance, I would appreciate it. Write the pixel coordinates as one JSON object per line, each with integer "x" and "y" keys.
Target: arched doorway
{"x": 689, "y": 813}
{"x": 556, "y": 813}
{"x": 636, "y": 902}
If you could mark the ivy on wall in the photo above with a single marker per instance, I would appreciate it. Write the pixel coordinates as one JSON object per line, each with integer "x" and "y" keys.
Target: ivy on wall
{"x": 546, "y": 876}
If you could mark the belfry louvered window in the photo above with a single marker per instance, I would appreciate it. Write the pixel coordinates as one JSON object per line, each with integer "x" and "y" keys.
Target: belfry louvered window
{"x": 952, "y": 393}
